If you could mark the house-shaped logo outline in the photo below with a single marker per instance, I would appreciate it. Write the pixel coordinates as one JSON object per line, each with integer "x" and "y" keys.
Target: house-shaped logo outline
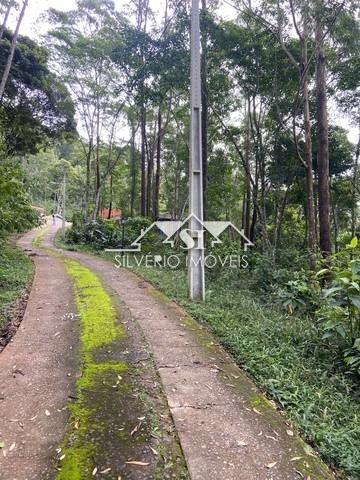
{"x": 171, "y": 227}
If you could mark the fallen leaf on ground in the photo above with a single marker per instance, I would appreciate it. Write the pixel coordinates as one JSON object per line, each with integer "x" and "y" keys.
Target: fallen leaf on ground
{"x": 271, "y": 465}
{"x": 12, "y": 446}
{"x": 217, "y": 368}
{"x": 141, "y": 464}
{"x": 47, "y": 413}
{"x": 62, "y": 457}
{"x": 2, "y": 444}
{"x": 295, "y": 458}
{"x": 154, "y": 451}
{"x": 290, "y": 433}
{"x": 135, "y": 429}
{"x": 94, "y": 472}
{"x": 256, "y": 411}
{"x": 240, "y": 443}
{"x": 107, "y": 470}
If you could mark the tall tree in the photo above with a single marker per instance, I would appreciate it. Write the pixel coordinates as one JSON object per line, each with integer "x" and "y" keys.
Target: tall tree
{"x": 5, "y": 74}
{"x": 323, "y": 134}
{"x": 7, "y": 11}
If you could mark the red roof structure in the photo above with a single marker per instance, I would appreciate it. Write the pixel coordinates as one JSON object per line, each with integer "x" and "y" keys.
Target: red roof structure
{"x": 104, "y": 213}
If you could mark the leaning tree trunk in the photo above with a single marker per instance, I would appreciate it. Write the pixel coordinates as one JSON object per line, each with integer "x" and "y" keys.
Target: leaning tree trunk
{"x": 10, "y": 58}
{"x": 323, "y": 141}
{"x": 6, "y": 17}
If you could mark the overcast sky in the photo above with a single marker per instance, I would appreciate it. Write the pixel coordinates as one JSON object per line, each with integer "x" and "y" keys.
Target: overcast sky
{"x": 34, "y": 27}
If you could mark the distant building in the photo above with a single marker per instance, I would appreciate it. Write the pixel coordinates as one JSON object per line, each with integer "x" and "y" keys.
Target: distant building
{"x": 104, "y": 213}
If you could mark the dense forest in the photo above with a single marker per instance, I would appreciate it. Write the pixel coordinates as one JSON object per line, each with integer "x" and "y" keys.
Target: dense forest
{"x": 98, "y": 109}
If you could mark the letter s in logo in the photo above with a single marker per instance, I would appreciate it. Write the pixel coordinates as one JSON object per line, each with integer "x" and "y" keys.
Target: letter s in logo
{"x": 187, "y": 239}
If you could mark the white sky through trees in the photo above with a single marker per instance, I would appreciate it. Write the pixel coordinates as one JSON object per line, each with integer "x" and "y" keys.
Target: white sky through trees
{"x": 34, "y": 26}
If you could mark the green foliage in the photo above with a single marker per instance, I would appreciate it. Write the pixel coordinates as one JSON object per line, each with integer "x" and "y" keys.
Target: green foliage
{"x": 105, "y": 233}
{"x": 286, "y": 355}
{"x": 301, "y": 294}
{"x": 16, "y": 271}
{"x": 341, "y": 312}
{"x": 16, "y": 214}
{"x": 36, "y": 105}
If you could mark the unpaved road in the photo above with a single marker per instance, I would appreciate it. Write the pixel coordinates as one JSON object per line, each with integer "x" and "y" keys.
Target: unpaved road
{"x": 227, "y": 430}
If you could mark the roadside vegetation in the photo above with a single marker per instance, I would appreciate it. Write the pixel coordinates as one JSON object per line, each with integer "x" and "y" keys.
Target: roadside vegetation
{"x": 16, "y": 272}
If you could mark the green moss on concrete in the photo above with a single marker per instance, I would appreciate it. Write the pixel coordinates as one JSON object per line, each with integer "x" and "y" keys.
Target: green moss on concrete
{"x": 260, "y": 402}
{"x": 98, "y": 314}
{"x": 76, "y": 461}
{"x": 99, "y": 329}
{"x": 38, "y": 239}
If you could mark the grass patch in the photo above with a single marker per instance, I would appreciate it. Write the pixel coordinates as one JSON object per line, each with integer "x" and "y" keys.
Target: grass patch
{"x": 16, "y": 273}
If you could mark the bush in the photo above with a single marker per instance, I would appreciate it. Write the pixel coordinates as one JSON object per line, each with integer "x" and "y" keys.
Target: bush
{"x": 302, "y": 294}
{"x": 16, "y": 214}
{"x": 341, "y": 312}
{"x": 105, "y": 233}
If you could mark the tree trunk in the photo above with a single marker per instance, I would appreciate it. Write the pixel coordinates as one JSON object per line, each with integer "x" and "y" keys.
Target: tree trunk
{"x": 143, "y": 161}
{"x": 6, "y": 16}
{"x": 247, "y": 196}
{"x": 10, "y": 58}
{"x": 87, "y": 185}
{"x": 354, "y": 182}
{"x": 204, "y": 115}
{"x": 149, "y": 180}
{"x": 323, "y": 141}
{"x": 158, "y": 166}
{"x": 309, "y": 182}
{"x": 308, "y": 156}
{"x": 133, "y": 170}
{"x": 111, "y": 196}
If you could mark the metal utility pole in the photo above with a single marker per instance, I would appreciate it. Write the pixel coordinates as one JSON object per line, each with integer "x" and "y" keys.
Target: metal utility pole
{"x": 63, "y": 207}
{"x": 196, "y": 254}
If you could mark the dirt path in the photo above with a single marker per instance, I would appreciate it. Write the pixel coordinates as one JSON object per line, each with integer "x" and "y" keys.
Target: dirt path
{"x": 36, "y": 374}
{"x": 227, "y": 429}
